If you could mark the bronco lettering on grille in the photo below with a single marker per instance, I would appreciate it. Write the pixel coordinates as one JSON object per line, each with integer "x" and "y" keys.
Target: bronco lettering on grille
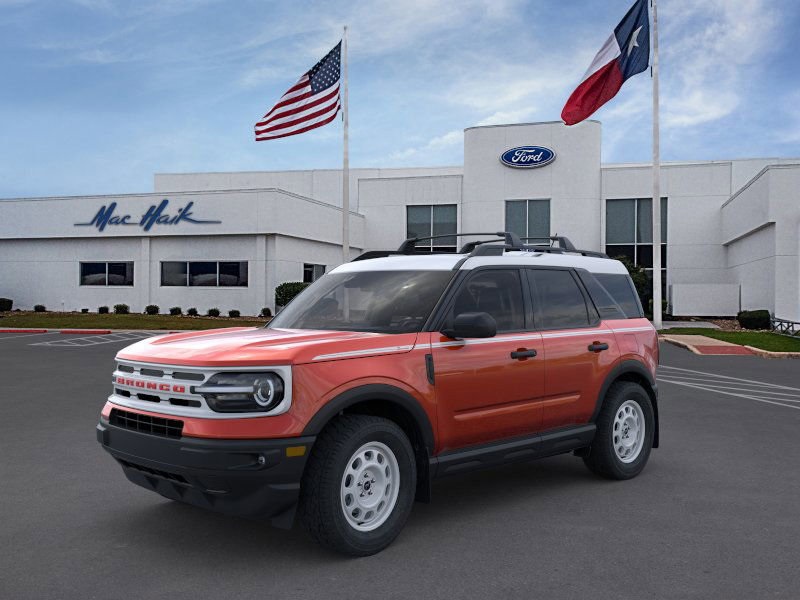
{"x": 150, "y": 385}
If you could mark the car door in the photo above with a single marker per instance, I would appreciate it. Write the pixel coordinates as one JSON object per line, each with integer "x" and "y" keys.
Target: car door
{"x": 483, "y": 393}
{"x": 579, "y": 348}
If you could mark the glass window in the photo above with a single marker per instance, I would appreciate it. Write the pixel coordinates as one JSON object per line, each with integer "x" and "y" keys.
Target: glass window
{"x": 620, "y": 219}
{"x": 375, "y": 301}
{"x": 312, "y": 272}
{"x": 203, "y": 274}
{"x": 529, "y": 219}
{"x": 433, "y": 219}
{"x": 607, "y": 307}
{"x": 498, "y": 293}
{"x": 93, "y": 273}
{"x": 174, "y": 273}
{"x": 106, "y": 273}
{"x": 120, "y": 273}
{"x": 621, "y": 289}
{"x": 233, "y": 274}
{"x": 560, "y": 301}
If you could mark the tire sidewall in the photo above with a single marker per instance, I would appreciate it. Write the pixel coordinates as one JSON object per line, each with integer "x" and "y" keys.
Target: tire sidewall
{"x": 622, "y": 394}
{"x": 369, "y": 541}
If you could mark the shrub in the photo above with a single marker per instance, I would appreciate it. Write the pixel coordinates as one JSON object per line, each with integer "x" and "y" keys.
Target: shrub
{"x": 285, "y": 292}
{"x": 266, "y": 312}
{"x": 6, "y": 304}
{"x": 213, "y": 312}
{"x": 39, "y": 308}
{"x": 754, "y": 319}
{"x": 192, "y": 312}
{"x": 234, "y": 314}
{"x": 103, "y": 310}
{"x": 152, "y": 309}
{"x": 121, "y": 309}
{"x": 84, "y": 310}
{"x": 175, "y": 310}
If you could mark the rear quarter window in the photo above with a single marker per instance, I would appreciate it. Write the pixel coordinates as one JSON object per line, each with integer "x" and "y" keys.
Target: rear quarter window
{"x": 620, "y": 288}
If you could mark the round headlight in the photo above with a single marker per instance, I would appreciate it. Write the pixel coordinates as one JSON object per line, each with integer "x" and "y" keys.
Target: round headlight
{"x": 264, "y": 392}
{"x": 242, "y": 392}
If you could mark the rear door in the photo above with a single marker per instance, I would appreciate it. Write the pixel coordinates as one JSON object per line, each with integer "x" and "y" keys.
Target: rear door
{"x": 483, "y": 393}
{"x": 579, "y": 348}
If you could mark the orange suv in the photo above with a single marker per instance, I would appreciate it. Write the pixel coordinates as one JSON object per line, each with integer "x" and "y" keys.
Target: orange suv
{"x": 392, "y": 370}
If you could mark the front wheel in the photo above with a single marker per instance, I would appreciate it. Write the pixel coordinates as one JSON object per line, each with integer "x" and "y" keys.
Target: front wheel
{"x": 359, "y": 484}
{"x": 624, "y": 435}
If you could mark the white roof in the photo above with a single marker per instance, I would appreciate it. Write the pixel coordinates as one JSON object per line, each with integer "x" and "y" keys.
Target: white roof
{"x": 446, "y": 262}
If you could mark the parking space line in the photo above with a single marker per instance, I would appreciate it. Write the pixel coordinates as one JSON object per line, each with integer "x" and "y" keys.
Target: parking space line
{"x": 27, "y": 335}
{"x": 94, "y": 340}
{"x": 708, "y": 388}
{"x": 738, "y": 384}
{"x": 715, "y": 376}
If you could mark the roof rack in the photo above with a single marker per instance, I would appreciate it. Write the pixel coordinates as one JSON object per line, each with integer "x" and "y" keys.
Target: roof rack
{"x": 555, "y": 244}
{"x": 511, "y": 240}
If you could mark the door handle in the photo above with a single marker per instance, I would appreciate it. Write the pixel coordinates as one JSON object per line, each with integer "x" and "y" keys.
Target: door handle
{"x": 522, "y": 354}
{"x": 597, "y": 347}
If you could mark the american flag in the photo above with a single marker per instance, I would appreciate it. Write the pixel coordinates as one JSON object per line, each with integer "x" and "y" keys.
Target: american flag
{"x": 310, "y": 103}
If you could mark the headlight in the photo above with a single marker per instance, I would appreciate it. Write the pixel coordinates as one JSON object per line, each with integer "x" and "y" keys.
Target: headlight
{"x": 242, "y": 392}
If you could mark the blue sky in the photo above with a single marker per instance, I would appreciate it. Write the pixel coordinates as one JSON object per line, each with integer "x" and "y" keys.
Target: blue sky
{"x": 97, "y": 95}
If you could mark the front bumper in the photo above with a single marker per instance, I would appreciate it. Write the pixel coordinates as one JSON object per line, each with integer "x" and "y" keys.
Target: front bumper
{"x": 250, "y": 478}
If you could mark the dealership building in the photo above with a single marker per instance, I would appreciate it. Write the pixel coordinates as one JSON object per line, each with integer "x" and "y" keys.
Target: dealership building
{"x": 730, "y": 228}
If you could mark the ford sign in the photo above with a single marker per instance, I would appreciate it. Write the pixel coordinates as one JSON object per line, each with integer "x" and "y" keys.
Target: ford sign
{"x": 527, "y": 157}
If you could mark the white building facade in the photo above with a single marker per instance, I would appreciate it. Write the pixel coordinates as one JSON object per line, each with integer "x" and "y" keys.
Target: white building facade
{"x": 730, "y": 229}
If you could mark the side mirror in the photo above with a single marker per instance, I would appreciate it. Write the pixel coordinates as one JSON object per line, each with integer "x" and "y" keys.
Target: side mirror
{"x": 472, "y": 325}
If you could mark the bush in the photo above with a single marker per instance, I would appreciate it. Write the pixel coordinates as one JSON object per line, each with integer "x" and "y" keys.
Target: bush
{"x": 175, "y": 310}
{"x": 103, "y": 310}
{"x": 213, "y": 312}
{"x": 285, "y": 292}
{"x": 6, "y": 304}
{"x": 84, "y": 310}
{"x": 39, "y": 308}
{"x": 192, "y": 312}
{"x": 754, "y": 319}
{"x": 121, "y": 309}
{"x": 266, "y": 312}
{"x": 234, "y": 314}
{"x": 152, "y": 309}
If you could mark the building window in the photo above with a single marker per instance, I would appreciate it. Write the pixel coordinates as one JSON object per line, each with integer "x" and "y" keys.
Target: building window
{"x": 204, "y": 273}
{"x": 312, "y": 272}
{"x": 629, "y": 232}
{"x": 431, "y": 220}
{"x": 107, "y": 273}
{"x": 529, "y": 219}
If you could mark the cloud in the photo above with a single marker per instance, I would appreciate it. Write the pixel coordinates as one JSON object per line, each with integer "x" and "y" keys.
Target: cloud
{"x": 434, "y": 145}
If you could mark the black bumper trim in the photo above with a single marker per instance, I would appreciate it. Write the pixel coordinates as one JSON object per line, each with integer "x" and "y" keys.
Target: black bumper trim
{"x": 249, "y": 478}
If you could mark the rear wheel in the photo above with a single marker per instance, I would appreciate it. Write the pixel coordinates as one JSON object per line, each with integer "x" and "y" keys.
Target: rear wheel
{"x": 624, "y": 435}
{"x": 359, "y": 485}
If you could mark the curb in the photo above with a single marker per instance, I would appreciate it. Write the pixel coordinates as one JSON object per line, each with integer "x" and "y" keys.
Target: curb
{"x": 683, "y": 345}
{"x": 755, "y": 351}
{"x": 23, "y": 330}
{"x": 771, "y": 354}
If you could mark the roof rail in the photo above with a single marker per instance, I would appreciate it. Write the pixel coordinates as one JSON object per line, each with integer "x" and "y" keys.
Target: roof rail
{"x": 511, "y": 239}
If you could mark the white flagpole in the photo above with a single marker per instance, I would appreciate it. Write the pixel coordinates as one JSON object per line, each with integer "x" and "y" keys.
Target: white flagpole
{"x": 345, "y": 160}
{"x": 656, "y": 204}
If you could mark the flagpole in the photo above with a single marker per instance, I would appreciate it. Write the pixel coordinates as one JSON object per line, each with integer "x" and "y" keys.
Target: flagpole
{"x": 345, "y": 159}
{"x": 656, "y": 203}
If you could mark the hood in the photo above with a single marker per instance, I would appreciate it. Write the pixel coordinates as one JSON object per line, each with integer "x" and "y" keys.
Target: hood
{"x": 252, "y": 346}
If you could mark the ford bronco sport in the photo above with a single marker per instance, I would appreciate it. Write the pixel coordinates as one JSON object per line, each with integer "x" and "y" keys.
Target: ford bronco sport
{"x": 392, "y": 370}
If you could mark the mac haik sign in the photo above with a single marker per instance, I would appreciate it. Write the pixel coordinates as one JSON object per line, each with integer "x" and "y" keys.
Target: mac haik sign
{"x": 156, "y": 216}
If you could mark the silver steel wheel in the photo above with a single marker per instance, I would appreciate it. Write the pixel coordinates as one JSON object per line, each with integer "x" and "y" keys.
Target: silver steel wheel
{"x": 370, "y": 485}
{"x": 629, "y": 431}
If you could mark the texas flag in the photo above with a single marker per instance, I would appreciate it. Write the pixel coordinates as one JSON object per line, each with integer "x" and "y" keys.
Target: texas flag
{"x": 625, "y": 53}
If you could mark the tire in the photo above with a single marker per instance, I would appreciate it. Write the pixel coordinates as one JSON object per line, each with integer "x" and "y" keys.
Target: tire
{"x": 619, "y": 450}
{"x": 376, "y": 456}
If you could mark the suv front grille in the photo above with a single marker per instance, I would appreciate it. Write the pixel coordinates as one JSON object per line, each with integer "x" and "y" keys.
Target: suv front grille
{"x": 170, "y": 428}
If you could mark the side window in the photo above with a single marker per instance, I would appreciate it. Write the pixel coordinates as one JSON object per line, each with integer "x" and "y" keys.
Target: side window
{"x": 498, "y": 293}
{"x": 560, "y": 301}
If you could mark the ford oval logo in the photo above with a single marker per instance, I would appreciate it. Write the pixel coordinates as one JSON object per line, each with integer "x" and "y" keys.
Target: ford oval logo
{"x": 527, "y": 157}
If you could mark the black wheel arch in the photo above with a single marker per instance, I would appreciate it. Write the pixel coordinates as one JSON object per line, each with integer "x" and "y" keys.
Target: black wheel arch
{"x": 636, "y": 372}
{"x": 395, "y": 404}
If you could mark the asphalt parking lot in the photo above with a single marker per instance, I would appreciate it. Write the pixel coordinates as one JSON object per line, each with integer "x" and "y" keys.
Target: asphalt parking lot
{"x": 716, "y": 513}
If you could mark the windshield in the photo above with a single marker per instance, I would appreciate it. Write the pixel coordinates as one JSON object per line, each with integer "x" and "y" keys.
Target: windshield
{"x": 377, "y": 301}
